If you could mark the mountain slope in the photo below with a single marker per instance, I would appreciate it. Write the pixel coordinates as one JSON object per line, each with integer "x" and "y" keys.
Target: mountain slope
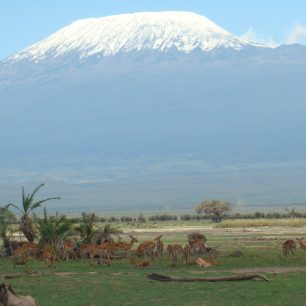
{"x": 160, "y": 117}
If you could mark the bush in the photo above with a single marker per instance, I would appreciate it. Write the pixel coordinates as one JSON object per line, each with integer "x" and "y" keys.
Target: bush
{"x": 186, "y": 217}
{"x": 126, "y": 219}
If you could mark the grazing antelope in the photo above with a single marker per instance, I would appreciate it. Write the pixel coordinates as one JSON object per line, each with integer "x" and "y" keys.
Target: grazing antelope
{"x": 159, "y": 246}
{"x": 289, "y": 245}
{"x": 302, "y": 245}
{"x": 9, "y": 298}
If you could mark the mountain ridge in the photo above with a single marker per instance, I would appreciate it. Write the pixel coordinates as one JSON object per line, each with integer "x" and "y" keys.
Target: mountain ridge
{"x": 106, "y": 36}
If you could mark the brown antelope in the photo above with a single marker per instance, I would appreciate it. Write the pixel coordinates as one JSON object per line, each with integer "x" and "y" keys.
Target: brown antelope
{"x": 146, "y": 249}
{"x": 302, "y": 245}
{"x": 32, "y": 249}
{"x": 202, "y": 262}
{"x": 126, "y": 246}
{"x": 159, "y": 246}
{"x": 20, "y": 257}
{"x": 87, "y": 250}
{"x": 49, "y": 257}
{"x": 187, "y": 253}
{"x": 140, "y": 264}
{"x": 66, "y": 250}
{"x": 91, "y": 250}
{"x": 101, "y": 251}
{"x": 9, "y": 298}
{"x": 289, "y": 245}
{"x": 171, "y": 254}
{"x": 179, "y": 251}
{"x": 22, "y": 254}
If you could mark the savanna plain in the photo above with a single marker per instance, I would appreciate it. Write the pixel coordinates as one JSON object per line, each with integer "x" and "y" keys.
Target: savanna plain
{"x": 75, "y": 282}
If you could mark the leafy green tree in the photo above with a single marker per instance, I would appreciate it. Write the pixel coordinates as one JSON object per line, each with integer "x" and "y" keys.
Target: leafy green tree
{"x": 28, "y": 206}
{"x": 215, "y": 208}
{"x": 52, "y": 229}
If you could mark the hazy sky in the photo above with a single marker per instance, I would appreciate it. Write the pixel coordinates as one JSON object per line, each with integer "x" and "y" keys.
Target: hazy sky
{"x": 23, "y": 22}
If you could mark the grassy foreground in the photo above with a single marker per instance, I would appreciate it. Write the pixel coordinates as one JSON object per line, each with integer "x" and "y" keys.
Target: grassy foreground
{"x": 122, "y": 284}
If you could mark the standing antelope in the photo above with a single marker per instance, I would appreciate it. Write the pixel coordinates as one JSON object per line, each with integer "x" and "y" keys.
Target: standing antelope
{"x": 302, "y": 245}
{"x": 289, "y": 245}
{"x": 172, "y": 254}
{"x": 146, "y": 249}
{"x": 159, "y": 246}
{"x": 102, "y": 251}
{"x": 124, "y": 246}
{"x": 66, "y": 250}
{"x": 48, "y": 255}
{"x": 187, "y": 253}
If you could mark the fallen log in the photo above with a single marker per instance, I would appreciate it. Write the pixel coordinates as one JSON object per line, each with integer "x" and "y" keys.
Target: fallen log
{"x": 164, "y": 278}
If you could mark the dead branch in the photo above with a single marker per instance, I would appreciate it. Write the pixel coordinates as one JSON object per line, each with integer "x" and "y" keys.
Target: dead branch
{"x": 163, "y": 278}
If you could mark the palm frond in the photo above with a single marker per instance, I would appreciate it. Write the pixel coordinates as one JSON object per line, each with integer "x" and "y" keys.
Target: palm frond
{"x": 35, "y": 191}
{"x": 13, "y": 205}
{"x": 38, "y": 204}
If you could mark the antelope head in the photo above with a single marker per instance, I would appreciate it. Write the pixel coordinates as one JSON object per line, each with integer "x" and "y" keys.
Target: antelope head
{"x": 133, "y": 239}
{"x": 158, "y": 237}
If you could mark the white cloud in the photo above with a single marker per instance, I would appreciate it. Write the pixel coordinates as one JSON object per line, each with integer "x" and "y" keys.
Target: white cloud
{"x": 297, "y": 35}
{"x": 252, "y": 36}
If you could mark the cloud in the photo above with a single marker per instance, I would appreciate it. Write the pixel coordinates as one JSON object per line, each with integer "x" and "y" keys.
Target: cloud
{"x": 297, "y": 35}
{"x": 252, "y": 36}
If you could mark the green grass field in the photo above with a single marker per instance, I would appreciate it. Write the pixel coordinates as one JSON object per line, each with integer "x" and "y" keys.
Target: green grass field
{"x": 72, "y": 284}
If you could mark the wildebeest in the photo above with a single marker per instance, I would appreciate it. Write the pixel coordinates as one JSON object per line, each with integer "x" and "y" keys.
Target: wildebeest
{"x": 9, "y": 298}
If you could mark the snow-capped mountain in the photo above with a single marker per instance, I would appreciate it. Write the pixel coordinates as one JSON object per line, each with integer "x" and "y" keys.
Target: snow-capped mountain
{"x": 154, "y": 108}
{"x": 162, "y": 31}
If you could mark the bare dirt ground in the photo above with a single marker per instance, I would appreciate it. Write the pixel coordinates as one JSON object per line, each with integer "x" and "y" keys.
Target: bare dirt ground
{"x": 269, "y": 232}
{"x": 273, "y": 270}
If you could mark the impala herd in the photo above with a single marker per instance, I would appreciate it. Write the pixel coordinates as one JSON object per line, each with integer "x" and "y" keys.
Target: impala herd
{"x": 191, "y": 253}
{"x": 104, "y": 252}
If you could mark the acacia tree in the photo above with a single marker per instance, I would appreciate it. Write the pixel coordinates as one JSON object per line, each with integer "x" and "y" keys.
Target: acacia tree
{"x": 28, "y": 205}
{"x": 216, "y": 208}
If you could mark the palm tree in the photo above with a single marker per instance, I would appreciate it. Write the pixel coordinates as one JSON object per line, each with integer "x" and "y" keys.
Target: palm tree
{"x": 52, "y": 228}
{"x": 86, "y": 227}
{"x": 6, "y": 219}
{"x": 28, "y": 205}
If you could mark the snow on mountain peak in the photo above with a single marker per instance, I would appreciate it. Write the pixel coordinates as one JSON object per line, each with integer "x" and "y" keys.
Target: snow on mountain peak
{"x": 107, "y": 36}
